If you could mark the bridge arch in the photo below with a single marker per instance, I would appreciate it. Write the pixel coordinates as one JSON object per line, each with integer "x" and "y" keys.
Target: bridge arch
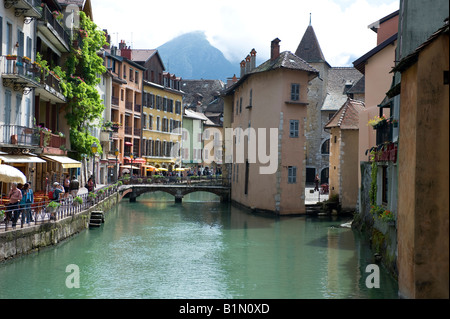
{"x": 178, "y": 191}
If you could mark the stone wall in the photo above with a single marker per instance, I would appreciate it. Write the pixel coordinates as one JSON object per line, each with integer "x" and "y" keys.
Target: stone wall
{"x": 19, "y": 242}
{"x": 382, "y": 235}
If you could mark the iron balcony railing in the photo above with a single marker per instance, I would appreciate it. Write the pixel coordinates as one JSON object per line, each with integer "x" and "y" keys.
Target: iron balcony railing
{"x": 48, "y": 17}
{"x": 19, "y": 135}
{"x": 19, "y": 67}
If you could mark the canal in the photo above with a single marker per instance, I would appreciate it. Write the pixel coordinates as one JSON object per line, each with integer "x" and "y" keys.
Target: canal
{"x": 156, "y": 249}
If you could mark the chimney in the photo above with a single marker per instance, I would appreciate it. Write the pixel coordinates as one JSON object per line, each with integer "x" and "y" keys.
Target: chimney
{"x": 253, "y": 60}
{"x": 275, "y": 49}
{"x": 247, "y": 64}
{"x": 231, "y": 81}
{"x": 242, "y": 68}
{"x": 124, "y": 50}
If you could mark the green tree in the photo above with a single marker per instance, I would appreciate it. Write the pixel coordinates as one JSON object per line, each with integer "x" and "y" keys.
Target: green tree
{"x": 79, "y": 83}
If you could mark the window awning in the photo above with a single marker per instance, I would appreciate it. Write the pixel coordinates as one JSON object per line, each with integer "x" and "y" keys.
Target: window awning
{"x": 66, "y": 162}
{"x": 20, "y": 159}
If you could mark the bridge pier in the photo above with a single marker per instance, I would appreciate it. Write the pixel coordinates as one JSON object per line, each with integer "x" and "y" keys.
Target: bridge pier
{"x": 178, "y": 199}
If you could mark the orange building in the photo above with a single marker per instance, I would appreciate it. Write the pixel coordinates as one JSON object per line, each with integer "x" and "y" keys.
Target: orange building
{"x": 126, "y": 105}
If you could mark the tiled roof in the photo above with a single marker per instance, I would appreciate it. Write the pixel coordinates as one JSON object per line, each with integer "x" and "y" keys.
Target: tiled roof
{"x": 286, "y": 60}
{"x": 338, "y": 79}
{"x": 309, "y": 48}
{"x": 347, "y": 118}
{"x": 359, "y": 87}
{"x": 142, "y": 55}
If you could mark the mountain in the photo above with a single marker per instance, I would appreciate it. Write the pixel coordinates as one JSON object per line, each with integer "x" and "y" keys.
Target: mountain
{"x": 191, "y": 56}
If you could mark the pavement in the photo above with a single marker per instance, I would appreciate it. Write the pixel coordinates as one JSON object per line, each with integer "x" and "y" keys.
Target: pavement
{"x": 314, "y": 197}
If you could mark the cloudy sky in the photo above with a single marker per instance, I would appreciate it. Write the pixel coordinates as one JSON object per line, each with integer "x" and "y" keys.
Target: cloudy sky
{"x": 237, "y": 26}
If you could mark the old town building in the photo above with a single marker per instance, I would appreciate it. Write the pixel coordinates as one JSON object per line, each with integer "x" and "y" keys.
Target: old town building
{"x": 326, "y": 94}
{"x": 269, "y": 103}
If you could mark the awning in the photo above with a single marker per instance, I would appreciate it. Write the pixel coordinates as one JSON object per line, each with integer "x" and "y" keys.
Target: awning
{"x": 20, "y": 159}
{"x": 66, "y": 162}
{"x": 136, "y": 160}
{"x": 128, "y": 167}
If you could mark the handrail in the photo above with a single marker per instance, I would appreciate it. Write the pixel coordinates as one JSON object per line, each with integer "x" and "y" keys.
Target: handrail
{"x": 41, "y": 213}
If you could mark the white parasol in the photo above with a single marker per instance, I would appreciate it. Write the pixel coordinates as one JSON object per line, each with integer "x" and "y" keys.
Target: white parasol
{"x": 9, "y": 174}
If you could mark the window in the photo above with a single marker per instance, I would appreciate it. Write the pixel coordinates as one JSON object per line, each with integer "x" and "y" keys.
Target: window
{"x": 144, "y": 120}
{"x": 136, "y": 76}
{"x": 29, "y": 47}
{"x": 150, "y": 122}
{"x": 385, "y": 185}
{"x": 292, "y": 175}
{"x": 158, "y": 123}
{"x": 295, "y": 92}
{"x": 326, "y": 147}
{"x": 124, "y": 71}
{"x": 294, "y": 128}
{"x": 240, "y": 105}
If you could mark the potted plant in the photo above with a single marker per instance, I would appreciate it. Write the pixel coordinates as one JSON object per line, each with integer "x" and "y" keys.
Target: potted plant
{"x": 11, "y": 57}
{"x": 2, "y": 215}
{"x": 377, "y": 121}
{"x": 78, "y": 201}
{"x": 52, "y": 208}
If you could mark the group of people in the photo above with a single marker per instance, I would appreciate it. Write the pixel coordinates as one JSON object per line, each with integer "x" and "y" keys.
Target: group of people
{"x": 21, "y": 198}
{"x": 69, "y": 188}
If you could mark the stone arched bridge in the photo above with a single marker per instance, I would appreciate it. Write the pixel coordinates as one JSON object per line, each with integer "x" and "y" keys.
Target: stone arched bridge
{"x": 178, "y": 191}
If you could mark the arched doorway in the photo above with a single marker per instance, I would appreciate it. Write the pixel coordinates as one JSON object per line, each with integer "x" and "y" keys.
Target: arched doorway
{"x": 325, "y": 176}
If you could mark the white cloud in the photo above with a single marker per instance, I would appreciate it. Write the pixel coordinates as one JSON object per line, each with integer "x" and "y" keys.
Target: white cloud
{"x": 237, "y": 26}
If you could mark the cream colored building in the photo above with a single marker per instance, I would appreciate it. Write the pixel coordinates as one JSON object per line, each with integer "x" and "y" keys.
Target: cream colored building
{"x": 270, "y": 100}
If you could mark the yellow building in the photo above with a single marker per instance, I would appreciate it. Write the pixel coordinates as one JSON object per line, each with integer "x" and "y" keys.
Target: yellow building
{"x": 162, "y": 123}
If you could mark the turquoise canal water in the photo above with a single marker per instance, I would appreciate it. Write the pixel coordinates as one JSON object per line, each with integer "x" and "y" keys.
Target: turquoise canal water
{"x": 156, "y": 249}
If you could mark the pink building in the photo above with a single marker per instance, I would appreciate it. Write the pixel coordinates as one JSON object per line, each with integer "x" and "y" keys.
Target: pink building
{"x": 269, "y": 101}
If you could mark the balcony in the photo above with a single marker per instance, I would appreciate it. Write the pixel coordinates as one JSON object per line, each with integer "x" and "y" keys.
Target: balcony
{"x": 54, "y": 31}
{"x": 384, "y": 132}
{"x": 19, "y": 74}
{"x": 49, "y": 90}
{"x": 128, "y": 130}
{"x": 137, "y": 108}
{"x": 27, "y": 8}
{"x": 19, "y": 136}
{"x": 51, "y": 143}
{"x": 129, "y": 106}
{"x": 114, "y": 101}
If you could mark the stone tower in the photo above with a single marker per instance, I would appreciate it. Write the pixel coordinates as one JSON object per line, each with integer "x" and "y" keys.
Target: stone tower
{"x": 326, "y": 95}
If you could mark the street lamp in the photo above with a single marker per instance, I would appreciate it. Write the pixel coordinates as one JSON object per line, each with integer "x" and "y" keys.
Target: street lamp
{"x": 131, "y": 157}
{"x": 94, "y": 149}
{"x": 116, "y": 152}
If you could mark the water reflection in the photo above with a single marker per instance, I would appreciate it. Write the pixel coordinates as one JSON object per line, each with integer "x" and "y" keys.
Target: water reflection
{"x": 200, "y": 249}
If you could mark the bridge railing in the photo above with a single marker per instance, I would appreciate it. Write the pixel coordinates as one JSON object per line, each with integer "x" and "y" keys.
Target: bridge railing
{"x": 41, "y": 213}
{"x": 210, "y": 180}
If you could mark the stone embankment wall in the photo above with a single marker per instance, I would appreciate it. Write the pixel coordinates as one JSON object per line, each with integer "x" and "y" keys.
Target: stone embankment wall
{"x": 382, "y": 235}
{"x": 19, "y": 242}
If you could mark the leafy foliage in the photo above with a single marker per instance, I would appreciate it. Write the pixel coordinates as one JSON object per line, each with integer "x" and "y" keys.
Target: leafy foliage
{"x": 79, "y": 83}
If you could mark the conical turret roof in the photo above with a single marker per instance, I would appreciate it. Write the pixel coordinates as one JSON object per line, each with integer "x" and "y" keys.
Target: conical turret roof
{"x": 309, "y": 48}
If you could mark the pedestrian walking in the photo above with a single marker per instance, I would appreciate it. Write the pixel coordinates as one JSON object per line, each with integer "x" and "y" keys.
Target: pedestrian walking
{"x": 74, "y": 187}
{"x": 66, "y": 186}
{"x": 25, "y": 203}
{"x": 317, "y": 182}
{"x": 15, "y": 196}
